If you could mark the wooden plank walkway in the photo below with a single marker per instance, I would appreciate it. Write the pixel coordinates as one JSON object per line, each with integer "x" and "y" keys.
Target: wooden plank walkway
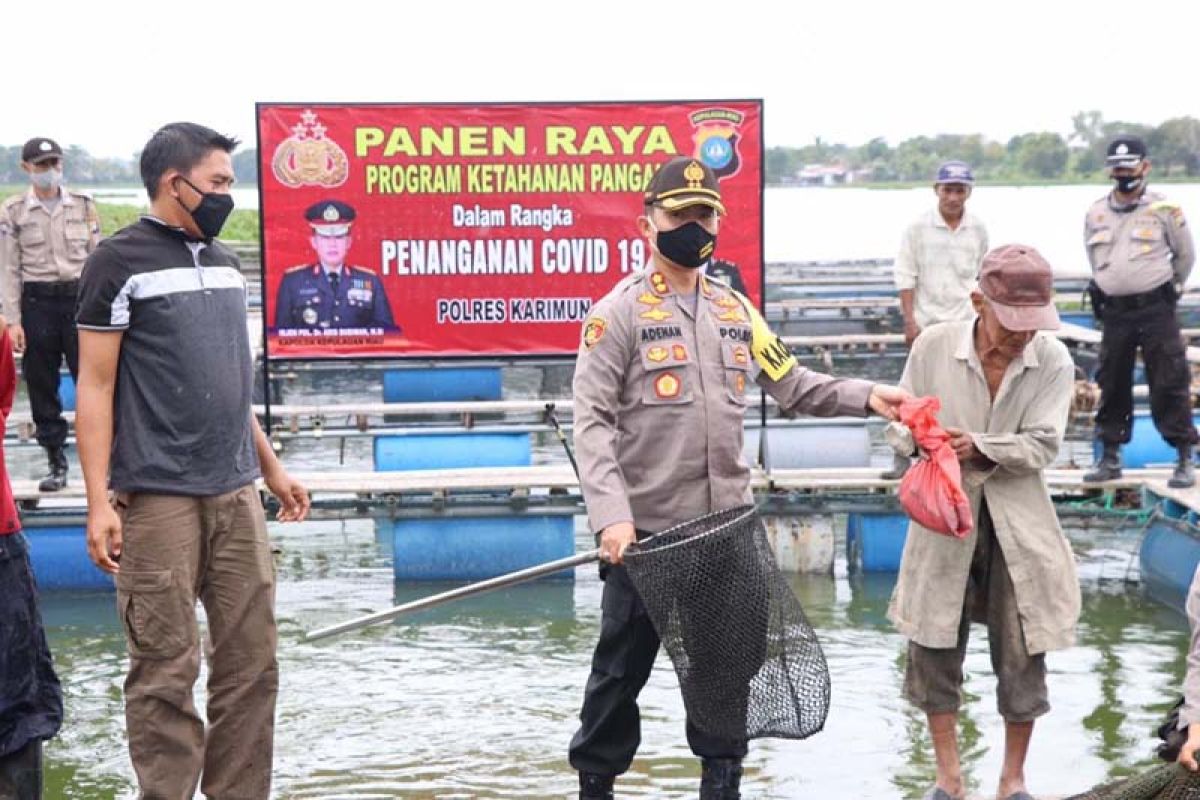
{"x": 544, "y": 478}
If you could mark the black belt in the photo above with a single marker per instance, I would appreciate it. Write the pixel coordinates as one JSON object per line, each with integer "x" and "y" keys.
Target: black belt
{"x": 1164, "y": 293}
{"x": 50, "y": 288}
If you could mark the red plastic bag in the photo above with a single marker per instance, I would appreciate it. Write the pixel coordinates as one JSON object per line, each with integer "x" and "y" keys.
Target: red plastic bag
{"x": 931, "y": 491}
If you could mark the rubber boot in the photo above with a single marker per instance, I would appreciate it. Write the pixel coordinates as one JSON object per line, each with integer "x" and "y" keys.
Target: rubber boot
{"x": 595, "y": 787}
{"x": 1184, "y": 476}
{"x": 721, "y": 779}
{"x": 57, "y": 477}
{"x": 1108, "y": 467}
{"x": 21, "y": 773}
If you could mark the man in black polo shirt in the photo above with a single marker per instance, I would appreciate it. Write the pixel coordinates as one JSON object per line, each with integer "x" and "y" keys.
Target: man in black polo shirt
{"x": 164, "y": 420}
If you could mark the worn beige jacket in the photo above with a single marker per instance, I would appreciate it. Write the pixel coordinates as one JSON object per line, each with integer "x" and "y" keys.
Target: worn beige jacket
{"x": 660, "y": 397}
{"x": 1021, "y": 433}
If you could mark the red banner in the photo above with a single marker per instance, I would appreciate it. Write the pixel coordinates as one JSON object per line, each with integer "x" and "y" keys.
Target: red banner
{"x": 456, "y": 230}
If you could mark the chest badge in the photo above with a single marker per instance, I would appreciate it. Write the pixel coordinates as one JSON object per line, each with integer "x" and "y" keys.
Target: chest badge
{"x": 656, "y": 314}
{"x": 667, "y": 386}
{"x": 650, "y": 299}
{"x": 310, "y": 316}
{"x": 657, "y": 354}
{"x": 740, "y": 357}
{"x": 732, "y": 315}
{"x": 740, "y": 382}
{"x": 679, "y": 352}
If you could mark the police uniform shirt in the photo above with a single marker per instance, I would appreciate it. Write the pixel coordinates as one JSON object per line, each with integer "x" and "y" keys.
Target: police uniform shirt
{"x": 43, "y": 244}
{"x": 1138, "y": 250}
{"x": 660, "y": 397}
{"x": 307, "y": 299}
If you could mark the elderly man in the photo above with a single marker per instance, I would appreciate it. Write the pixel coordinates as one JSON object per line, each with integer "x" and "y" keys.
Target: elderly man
{"x": 1005, "y": 391}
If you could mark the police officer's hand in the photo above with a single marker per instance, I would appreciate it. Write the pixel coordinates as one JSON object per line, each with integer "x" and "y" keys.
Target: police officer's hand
{"x": 614, "y": 540}
{"x": 885, "y": 400}
{"x": 911, "y": 331}
{"x": 17, "y": 334}
{"x": 1187, "y": 753}
{"x": 104, "y": 537}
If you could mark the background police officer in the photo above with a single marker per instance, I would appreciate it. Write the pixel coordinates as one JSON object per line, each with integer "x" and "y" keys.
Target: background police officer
{"x": 1141, "y": 252}
{"x": 45, "y": 236}
{"x": 331, "y": 293}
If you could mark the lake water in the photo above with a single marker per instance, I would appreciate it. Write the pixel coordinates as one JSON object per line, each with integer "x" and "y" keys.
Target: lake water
{"x": 815, "y": 224}
{"x": 479, "y": 699}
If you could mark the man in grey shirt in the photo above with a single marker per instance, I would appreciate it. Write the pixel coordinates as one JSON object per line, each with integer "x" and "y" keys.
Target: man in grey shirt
{"x": 165, "y": 422}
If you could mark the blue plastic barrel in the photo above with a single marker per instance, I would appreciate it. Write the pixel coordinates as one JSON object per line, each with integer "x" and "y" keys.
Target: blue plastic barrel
{"x": 875, "y": 540}
{"x": 1084, "y": 319}
{"x": 60, "y": 559}
{"x": 812, "y": 446}
{"x": 475, "y": 548}
{"x": 1146, "y": 445}
{"x": 449, "y": 450}
{"x": 66, "y": 392}
{"x": 441, "y": 384}
{"x": 1169, "y": 555}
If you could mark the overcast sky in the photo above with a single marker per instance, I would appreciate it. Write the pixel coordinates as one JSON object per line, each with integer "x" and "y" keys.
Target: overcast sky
{"x": 105, "y": 75}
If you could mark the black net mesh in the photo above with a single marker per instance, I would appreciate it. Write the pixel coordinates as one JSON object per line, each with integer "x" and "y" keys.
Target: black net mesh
{"x": 1164, "y": 782}
{"x": 748, "y": 662}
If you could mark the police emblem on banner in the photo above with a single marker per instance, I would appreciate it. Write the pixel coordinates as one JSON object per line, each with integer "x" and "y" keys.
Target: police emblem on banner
{"x": 717, "y": 134}
{"x": 308, "y": 157}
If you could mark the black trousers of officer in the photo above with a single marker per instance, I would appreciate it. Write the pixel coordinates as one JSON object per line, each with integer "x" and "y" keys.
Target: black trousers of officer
{"x": 48, "y": 316}
{"x": 1155, "y": 329}
{"x": 610, "y": 729}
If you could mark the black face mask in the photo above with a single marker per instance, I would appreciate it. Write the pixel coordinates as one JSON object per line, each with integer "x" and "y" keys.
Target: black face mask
{"x": 1128, "y": 184}
{"x": 688, "y": 245}
{"x": 212, "y": 212}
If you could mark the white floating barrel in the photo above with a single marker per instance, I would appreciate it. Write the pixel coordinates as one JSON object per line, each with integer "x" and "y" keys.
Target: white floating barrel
{"x": 812, "y": 445}
{"x": 802, "y": 544}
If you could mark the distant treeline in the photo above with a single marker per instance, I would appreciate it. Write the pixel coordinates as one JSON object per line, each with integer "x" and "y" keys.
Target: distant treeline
{"x": 81, "y": 167}
{"x": 1029, "y": 157}
{"x": 1174, "y": 149}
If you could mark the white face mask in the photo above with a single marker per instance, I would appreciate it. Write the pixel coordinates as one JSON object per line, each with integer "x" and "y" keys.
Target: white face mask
{"x": 50, "y": 179}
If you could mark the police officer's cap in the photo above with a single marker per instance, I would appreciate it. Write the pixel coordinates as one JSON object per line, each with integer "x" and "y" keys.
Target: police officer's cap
{"x": 1125, "y": 151}
{"x": 330, "y": 217}
{"x": 684, "y": 181}
{"x": 39, "y": 149}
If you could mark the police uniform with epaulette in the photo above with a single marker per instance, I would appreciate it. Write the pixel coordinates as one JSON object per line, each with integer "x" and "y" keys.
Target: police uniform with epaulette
{"x": 660, "y": 396}
{"x": 331, "y": 294}
{"x": 46, "y": 235}
{"x": 1141, "y": 253}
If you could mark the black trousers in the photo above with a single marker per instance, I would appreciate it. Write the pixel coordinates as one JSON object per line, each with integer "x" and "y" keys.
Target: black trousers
{"x": 1155, "y": 329}
{"x": 610, "y": 724}
{"x": 48, "y": 316}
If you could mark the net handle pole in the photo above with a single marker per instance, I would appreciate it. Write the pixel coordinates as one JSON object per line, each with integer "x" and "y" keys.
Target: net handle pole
{"x": 562, "y": 437}
{"x": 491, "y": 584}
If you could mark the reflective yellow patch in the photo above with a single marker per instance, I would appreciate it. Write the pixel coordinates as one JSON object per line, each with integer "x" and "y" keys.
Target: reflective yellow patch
{"x": 767, "y": 348}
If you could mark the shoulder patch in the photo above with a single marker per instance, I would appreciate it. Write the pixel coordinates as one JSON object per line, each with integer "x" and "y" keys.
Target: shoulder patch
{"x": 299, "y": 268}
{"x": 363, "y": 269}
{"x": 1163, "y": 205}
{"x": 593, "y": 331}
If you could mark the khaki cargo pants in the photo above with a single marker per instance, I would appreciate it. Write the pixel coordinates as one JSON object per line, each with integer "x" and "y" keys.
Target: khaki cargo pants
{"x": 176, "y": 550}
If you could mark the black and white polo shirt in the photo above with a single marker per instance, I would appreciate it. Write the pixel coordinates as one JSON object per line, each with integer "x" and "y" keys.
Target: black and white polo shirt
{"x": 181, "y": 415}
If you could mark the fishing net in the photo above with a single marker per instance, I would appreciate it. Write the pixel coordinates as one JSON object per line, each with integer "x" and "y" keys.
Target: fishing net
{"x": 1163, "y": 782}
{"x": 748, "y": 662}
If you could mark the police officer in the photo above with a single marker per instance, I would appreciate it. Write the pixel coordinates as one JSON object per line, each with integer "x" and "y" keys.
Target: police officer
{"x": 1141, "y": 253}
{"x": 45, "y": 236}
{"x": 330, "y": 293}
{"x": 661, "y": 389}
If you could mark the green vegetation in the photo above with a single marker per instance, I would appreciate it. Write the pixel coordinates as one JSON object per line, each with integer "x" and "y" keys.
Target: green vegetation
{"x": 1036, "y": 157}
{"x": 242, "y": 225}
